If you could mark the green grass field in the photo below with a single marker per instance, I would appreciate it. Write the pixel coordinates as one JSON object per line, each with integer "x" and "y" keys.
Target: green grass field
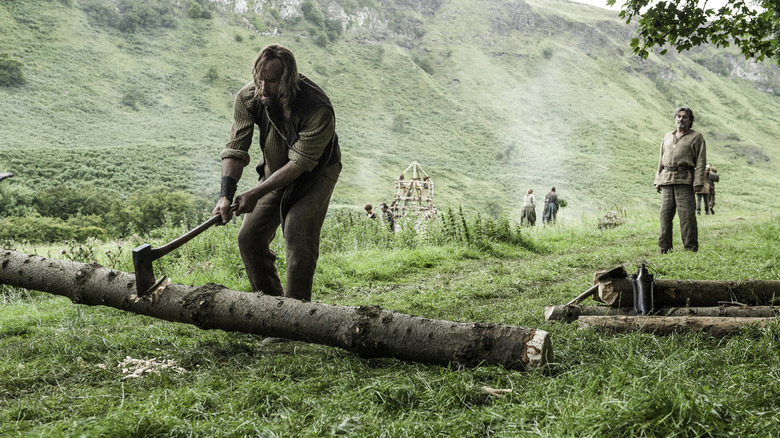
{"x": 65, "y": 369}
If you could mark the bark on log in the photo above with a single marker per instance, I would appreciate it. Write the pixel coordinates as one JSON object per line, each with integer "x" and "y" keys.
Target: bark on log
{"x": 618, "y": 292}
{"x": 665, "y": 325}
{"x": 368, "y": 331}
{"x": 565, "y": 313}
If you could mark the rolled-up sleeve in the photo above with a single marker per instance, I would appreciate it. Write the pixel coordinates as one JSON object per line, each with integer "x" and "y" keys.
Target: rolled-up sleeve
{"x": 313, "y": 138}
{"x": 243, "y": 127}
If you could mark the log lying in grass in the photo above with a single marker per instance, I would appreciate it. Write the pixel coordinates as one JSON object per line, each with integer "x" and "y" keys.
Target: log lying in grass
{"x": 665, "y": 325}
{"x": 566, "y": 313}
{"x": 366, "y": 331}
{"x": 618, "y": 292}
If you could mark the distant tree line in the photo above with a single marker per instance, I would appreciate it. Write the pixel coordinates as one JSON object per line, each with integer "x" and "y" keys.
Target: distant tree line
{"x": 65, "y": 213}
{"x": 131, "y": 15}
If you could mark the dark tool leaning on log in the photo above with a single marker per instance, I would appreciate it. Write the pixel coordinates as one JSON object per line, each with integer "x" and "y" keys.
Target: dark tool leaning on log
{"x": 5, "y": 175}
{"x": 144, "y": 255}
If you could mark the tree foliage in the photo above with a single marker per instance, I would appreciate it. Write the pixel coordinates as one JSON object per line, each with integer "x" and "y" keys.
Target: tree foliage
{"x": 751, "y": 25}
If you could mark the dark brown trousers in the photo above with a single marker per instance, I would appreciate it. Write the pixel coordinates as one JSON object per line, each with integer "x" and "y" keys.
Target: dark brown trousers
{"x": 678, "y": 198}
{"x": 302, "y": 228}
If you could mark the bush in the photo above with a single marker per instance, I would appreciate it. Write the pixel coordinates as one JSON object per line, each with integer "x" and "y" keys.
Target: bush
{"x": 132, "y": 15}
{"x": 424, "y": 64}
{"x": 312, "y": 12}
{"x": 39, "y": 229}
{"x": 11, "y": 72}
{"x": 132, "y": 98}
{"x": 65, "y": 202}
{"x": 148, "y": 210}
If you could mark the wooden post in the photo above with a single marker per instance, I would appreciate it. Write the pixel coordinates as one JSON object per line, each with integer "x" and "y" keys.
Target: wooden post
{"x": 567, "y": 313}
{"x": 665, "y": 325}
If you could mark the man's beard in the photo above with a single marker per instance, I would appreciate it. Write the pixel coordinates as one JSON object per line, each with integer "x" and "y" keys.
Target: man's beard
{"x": 682, "y": 126}
{"x": 269, "y": 101}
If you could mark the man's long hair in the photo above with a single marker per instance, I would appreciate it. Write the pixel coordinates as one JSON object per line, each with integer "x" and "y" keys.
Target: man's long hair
{"x": 289, "y": 81}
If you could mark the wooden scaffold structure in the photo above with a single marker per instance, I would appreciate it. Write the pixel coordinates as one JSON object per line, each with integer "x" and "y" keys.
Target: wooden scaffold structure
{"x": 413, "y": 195}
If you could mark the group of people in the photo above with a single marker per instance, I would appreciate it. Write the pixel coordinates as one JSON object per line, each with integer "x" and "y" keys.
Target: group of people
{"x": 387, "y": 215}
{"x": 549, "y": 213}
{"x": 301, "y": 161}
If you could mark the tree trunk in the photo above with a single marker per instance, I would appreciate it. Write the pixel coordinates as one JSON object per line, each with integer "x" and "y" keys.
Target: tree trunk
{"x": 618, "y": 292}
{"x": 572, "y": 313}
{"x": 664, "y": 325}
{"x": 367, "y": 330}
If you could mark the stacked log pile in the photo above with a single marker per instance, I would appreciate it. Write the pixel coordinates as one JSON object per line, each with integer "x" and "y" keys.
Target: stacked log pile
{"x": 718, "y": 308}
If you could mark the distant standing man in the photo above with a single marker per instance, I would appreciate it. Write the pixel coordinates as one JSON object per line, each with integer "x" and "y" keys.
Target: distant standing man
{"x": 550, "y": 207}
{"x": 369, "y": 211}
{"x": 712, "y": 178}
{"x": 528, "y": 213}
{"x": 300, "y": 166}
{"x": 680, "y": 174}
{"x": 388, "y": 215}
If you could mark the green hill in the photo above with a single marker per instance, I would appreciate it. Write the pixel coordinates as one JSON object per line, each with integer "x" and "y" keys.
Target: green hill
{"x": 490, "y": 97}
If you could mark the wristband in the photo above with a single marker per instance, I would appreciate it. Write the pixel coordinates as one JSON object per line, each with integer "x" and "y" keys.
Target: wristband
{"x": 229, "y": 186}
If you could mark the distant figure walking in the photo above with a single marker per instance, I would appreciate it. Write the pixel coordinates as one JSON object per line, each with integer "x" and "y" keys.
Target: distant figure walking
{"x": 704, "y": 194}
{"x": 712, "y": 178}
{"x": 370, "y": 211}
{"x": 529, "y": 209}
{"x": 680, "y": 174}
{"x": 550, "y": 211}
{"x": 389, "y": 217}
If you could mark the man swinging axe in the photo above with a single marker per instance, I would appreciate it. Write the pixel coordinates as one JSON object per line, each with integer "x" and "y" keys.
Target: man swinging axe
{"x": 300, "y": 165}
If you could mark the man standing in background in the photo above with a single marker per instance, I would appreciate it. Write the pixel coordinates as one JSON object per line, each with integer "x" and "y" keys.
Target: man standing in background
{"x": 680, "y": 174}
{"x": 389, "y": 217}
{"x": 299, "y": 169}
{"x": 712, "y": 178}
{"x": 550, "y": 207}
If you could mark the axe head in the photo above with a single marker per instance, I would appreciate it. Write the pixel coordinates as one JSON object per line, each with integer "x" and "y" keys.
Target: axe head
{"x": 144, "y": 272}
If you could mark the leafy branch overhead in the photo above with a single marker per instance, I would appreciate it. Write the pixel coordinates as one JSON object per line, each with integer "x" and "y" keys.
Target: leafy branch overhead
{"x": 751, "y": 25}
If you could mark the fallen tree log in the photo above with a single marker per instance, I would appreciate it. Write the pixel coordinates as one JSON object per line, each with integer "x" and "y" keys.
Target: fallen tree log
{"x": 618, "y": 292}
{"x": 570, "y": 313}
{"x": 368, "y": 331}
{"x": 665, "y": 325}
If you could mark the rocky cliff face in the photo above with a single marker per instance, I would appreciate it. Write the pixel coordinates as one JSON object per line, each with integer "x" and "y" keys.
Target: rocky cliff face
{"x": 405, "y": 21}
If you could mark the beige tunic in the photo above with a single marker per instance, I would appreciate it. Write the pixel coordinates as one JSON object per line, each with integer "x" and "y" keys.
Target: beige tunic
{"x": 689, "y": 151}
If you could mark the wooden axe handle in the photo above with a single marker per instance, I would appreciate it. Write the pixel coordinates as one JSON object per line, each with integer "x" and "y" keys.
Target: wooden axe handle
{"x": 170, "y": 246}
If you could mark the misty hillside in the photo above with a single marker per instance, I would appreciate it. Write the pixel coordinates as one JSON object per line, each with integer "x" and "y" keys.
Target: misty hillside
{"x": 490, "y": 97}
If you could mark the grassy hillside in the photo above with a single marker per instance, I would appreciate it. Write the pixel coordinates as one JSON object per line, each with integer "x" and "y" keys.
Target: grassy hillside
{"x": 491, "y": 98}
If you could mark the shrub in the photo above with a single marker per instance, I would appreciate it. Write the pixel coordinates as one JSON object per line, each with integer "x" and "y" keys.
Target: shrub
{"x": 611, "y": 220}
{"x": 212, "y": 75}
{"x": 37, "y": 228}
{"x": 11, "y": 72}
{"x": 312, "y": 12}
{"x": 424, "y": 64}
{"x": 65, "y": 202}
{"x": 132, "y": 98}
